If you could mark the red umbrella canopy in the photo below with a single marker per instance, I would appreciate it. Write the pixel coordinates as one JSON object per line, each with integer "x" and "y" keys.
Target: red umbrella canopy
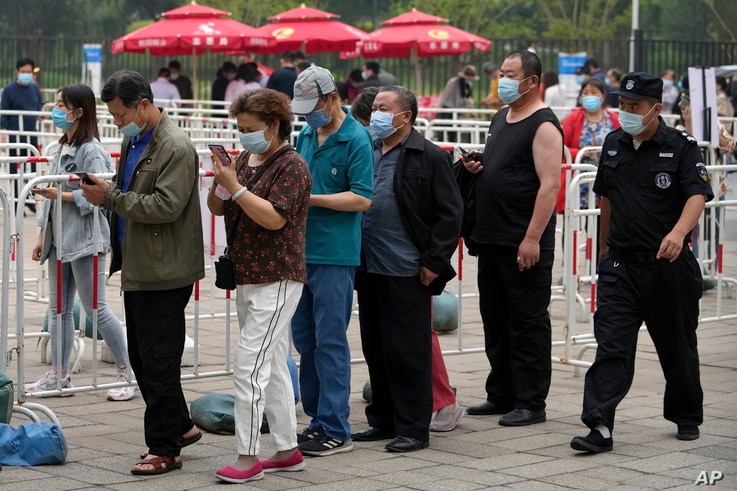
{"x": 310, "y": 30}
{"x": 187, "y": 36}
{"x": 423, "y": 34}
{"x": 194, "y": 10}
{"x": 414, "y": 16}
{"x": 304, "y": 13}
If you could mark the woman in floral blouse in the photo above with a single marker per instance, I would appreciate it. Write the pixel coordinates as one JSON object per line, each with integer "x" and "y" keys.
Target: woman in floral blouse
{"x": 587, "y": 126}
{"x": 265, "y": 220}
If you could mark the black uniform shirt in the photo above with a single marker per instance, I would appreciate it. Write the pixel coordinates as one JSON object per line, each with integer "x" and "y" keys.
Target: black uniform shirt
{"x": 648, "y": 187}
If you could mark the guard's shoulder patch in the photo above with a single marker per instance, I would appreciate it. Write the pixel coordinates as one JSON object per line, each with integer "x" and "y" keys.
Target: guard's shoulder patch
{"x": 702, "y": 172}
{"x": 689, "y": 138}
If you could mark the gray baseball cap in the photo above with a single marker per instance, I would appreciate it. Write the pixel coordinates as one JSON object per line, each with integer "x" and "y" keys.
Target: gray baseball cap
{"x": 313, "y": 83}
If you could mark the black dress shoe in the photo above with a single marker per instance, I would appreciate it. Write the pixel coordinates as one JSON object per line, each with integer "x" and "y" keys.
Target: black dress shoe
{"x": 402, "y": 444}
{"x": 372, "y": 435}
{"x": 486, "y": 408}
{"x": 523, "y": 417}
{"x": 594, "y": 442}
{"x": 687, "y": 432}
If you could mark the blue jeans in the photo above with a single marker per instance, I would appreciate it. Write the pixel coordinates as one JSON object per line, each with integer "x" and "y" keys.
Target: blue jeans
{"x": 319, "y": 332}
{"x": 76, "y": 276}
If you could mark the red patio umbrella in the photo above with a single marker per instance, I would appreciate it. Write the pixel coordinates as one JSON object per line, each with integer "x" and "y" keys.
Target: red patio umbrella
{"x": 189, "y": 30}
{"x": 309, "y": 30}
{"x": 417, "y": 34}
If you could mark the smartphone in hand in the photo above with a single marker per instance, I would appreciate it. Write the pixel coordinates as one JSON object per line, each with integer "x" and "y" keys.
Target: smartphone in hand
{"x": 221, "y": 154}
{"x": 476, "y": 156}
{"x": 85, "y": 178}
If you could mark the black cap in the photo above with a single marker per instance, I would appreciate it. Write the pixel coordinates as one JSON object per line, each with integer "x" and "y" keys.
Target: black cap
{"x": 640, "y": 85}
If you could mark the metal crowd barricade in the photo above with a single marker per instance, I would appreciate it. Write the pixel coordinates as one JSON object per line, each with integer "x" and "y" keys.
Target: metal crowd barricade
{"x": 581, "y": 232}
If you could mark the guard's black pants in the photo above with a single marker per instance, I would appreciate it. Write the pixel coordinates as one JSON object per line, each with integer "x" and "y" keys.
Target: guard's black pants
{"x": 666, "y": 297}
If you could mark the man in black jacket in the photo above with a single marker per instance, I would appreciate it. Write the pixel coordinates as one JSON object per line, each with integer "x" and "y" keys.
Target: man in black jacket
{"x": 408, "y": 237}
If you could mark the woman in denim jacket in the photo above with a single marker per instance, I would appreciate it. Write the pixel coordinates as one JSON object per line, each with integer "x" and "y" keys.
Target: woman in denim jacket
{"x": 76, "y": 240}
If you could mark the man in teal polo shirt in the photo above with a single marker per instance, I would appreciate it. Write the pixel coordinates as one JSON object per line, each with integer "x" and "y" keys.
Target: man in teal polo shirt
{"x": 340, "y": 156}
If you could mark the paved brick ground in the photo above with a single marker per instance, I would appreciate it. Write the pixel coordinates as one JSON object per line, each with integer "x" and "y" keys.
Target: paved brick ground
{"x": 105, "y": 438}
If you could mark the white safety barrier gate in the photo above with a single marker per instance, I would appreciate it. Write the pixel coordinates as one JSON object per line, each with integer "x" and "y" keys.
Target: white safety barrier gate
{"x": 579, "y": 226}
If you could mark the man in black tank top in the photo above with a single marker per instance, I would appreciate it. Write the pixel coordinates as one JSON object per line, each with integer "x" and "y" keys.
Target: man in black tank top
{"x": 518, "y": 180}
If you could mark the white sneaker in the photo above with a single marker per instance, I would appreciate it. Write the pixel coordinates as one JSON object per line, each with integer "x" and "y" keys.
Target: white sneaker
{"x": 48, "y": 382}
{"x": 447, "y": 419}
{"x": 121, "y": 393}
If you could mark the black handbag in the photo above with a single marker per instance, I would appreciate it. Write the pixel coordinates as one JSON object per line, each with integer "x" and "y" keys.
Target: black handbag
{"x": 224, "y": 272}
{"x": 224, "y": 269}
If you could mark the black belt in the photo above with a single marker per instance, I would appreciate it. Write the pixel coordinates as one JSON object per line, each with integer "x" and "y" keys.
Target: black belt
{"x": 634, "y": 256}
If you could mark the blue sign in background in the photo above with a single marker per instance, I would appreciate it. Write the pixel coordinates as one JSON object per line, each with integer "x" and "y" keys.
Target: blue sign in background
{"x": 569, "y": 62}
{"x": 92, "y": 53}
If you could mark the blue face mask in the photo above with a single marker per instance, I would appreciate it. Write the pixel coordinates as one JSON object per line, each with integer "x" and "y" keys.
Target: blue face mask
{"x": 255, "y": 142}
{"x": 59, "y": 118}
{"x": 364, "y": 76}
{"x": 607, "y": 82}
{"x": 381, "y": 122}
{"x": 632, "y": 123}
{"x": 680, "y": 85}
{"x": 508, "y": 89}
{"x": 132, "y": 129}
{"x": 667, "y": 83}
{"x": 25, "y": 78}
{"x": 579, "y": 79}
{"x": 591, "y": 103}
{"x": 318, "y": 119}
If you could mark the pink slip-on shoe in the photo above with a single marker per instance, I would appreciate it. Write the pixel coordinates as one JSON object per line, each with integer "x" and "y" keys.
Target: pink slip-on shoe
{"x": 228, "y": 474}
{"x": 292, "y": 464}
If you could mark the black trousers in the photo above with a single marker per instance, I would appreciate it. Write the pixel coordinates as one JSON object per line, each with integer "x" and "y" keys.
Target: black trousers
{"x": 514, "y": 310}
{"x": 666, "y": 297}
{"x": 395, "y": 318}
{"x": 156, "y": 329}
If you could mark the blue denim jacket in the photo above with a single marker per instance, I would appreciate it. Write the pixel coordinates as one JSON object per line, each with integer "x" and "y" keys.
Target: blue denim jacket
{"x": 78, "y": 235}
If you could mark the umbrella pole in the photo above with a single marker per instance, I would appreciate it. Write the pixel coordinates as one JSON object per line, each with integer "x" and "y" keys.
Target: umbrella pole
{"x": 194, "y": 73}
{"x": 418, "y": 76}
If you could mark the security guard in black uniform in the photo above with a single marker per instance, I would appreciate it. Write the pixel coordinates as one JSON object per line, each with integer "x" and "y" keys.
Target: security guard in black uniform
{"x": 653, "y": 186}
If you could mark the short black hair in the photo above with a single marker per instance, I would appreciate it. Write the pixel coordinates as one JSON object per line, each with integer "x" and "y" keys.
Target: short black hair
{"x": 175, "y": 65}
{"x": 342, "y": 89}
{"x": 361, "y": 107}
{"x": 721, "y": 81}
{"x": 594, "y": 82}
{"x": 373, "y": 66}
{"x": 531, "y": 64}
{"x": 24, "y": 62}
{"x": 287, "y": 56}
{"x": 405, "y": 99}
{"x": 591, "y": 62}
{"x": 129, "y": 85}
{"x": 229, "y": 66}
{"x": 164, "y": 72}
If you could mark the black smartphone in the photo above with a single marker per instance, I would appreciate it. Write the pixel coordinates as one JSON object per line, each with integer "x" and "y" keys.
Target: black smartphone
{"x": 222, "y": 154}
{"x": 464, "y": 152}
{"x": 85, "y": 178}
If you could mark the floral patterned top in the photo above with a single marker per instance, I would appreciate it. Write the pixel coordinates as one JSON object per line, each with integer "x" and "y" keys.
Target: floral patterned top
{"x": 593, "y": 135}
{"x": 265, "y": 256}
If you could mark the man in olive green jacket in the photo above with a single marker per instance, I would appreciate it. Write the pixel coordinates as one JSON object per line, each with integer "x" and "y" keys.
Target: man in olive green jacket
{"x": 157, "y": 242}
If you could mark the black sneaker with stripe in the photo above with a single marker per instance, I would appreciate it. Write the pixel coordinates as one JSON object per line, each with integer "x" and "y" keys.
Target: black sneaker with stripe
{"x": 308, "y": 434}
{"x": 324, "y": 445}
